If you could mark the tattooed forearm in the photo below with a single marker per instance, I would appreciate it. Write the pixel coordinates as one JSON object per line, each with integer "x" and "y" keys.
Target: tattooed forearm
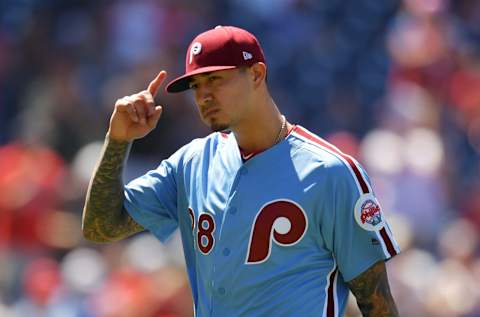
{"x": 372, "y": 292}
{"x": 104, "y": 217}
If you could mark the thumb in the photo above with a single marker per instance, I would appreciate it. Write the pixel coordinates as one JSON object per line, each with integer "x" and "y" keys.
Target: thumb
{"x": 154, "y": 117}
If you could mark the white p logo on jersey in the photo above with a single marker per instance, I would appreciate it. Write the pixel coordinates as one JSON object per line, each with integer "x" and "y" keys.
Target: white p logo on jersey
{"x": 195, "y": 50}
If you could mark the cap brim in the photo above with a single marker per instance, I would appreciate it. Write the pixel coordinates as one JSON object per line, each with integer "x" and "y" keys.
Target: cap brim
{"x": 180, "y": 84}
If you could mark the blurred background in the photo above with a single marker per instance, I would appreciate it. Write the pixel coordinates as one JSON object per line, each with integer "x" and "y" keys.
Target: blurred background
{"x": 394, "y": 83}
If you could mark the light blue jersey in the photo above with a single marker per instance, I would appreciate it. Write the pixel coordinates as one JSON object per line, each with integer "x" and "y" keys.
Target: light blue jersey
{"x": 277, "y": 235}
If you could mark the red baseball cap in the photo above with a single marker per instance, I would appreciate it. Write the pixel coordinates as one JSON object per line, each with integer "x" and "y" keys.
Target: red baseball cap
{"x": 224, "y": 47}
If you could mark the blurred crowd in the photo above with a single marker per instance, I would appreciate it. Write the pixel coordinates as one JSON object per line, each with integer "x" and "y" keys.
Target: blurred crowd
{"x": 394, "y": 83}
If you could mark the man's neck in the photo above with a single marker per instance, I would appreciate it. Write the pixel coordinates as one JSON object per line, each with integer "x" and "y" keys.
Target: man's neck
{"x": 261, "y": 130}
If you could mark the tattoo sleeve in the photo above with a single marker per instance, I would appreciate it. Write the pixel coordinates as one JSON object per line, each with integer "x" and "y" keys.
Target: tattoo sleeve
{"x": 104, "y": 217}
{"x": 372, "y": 292}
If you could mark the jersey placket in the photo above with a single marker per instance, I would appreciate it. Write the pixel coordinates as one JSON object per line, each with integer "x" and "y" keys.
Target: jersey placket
{"x": 221, "y": 252}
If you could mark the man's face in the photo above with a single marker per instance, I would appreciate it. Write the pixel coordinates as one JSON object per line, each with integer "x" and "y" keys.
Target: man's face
{"x": 221, "y": 97}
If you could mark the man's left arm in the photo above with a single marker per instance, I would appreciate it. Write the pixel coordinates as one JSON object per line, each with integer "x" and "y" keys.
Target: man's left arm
{"x": 372, "y": 292}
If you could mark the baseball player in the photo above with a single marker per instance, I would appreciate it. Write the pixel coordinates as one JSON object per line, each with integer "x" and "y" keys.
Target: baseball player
{"x": 275, "y": 221}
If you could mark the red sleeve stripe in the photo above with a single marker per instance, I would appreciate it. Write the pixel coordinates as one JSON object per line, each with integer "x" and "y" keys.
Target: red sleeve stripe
{"x": 324, "y": 144}
{"x": 330, "y": 300}
{"x": 388, "y": 242}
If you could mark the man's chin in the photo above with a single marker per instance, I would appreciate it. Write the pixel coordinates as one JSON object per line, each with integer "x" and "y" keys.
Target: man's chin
{"x": 218, "y": 127}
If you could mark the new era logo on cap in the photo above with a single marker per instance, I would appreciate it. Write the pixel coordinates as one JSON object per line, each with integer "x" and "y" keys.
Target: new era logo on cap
{"x": 247, "y": 55}
{"x": 224, "y": 47}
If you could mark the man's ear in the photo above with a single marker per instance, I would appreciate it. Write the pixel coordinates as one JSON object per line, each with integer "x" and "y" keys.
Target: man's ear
{"x": 258, "y": 72}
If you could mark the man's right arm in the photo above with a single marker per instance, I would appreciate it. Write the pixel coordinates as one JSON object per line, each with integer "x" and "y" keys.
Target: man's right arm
{"x": 104, "y": 217}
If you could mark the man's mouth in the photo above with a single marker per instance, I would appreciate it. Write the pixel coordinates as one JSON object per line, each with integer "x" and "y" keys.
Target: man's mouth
{"x": 209, "y": 112}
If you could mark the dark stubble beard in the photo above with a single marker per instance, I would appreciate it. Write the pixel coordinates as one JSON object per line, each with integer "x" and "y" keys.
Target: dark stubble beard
{"x": 213, "y": 124}
{"x": 218, "y": 127}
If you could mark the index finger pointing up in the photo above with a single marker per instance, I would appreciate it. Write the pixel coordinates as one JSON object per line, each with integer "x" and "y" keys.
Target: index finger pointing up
{"x": 155, "y": 84}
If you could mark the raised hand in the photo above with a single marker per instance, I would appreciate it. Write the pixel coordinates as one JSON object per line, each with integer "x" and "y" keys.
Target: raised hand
{"x": 136, "y": 115}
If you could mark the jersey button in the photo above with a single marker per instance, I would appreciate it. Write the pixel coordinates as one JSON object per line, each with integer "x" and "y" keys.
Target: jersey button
{"x": 226, "y": 252}
{"x": 221, "y": 291}
{"x": 233, "y": 210}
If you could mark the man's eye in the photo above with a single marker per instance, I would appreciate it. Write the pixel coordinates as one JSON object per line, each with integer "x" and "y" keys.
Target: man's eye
{"x": 193, "y": 86}
{"x": 213, "y": 78}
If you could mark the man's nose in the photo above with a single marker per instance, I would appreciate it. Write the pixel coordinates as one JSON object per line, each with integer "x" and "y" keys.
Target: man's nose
{"x": 204, "y": 94}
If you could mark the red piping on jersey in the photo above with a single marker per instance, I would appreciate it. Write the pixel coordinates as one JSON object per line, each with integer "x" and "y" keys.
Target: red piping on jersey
{"x": 361, "y": 180}
{"x": 332, "y": 148}
{"x": 330, "y": 295}
{"x": 246, "y": 156}
{"x": 388, "y": 242}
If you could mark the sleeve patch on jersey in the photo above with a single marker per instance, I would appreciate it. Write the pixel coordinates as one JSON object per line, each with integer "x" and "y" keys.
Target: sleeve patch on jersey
{"x": 368, "y": 213}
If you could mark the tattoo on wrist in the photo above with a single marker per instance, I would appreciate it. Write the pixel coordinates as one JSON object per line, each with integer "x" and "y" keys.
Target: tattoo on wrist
{"x": 104, "y": 217}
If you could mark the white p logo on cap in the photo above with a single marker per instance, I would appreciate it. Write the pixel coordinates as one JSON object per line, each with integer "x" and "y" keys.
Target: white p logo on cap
{"x": 195, "y": 50}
